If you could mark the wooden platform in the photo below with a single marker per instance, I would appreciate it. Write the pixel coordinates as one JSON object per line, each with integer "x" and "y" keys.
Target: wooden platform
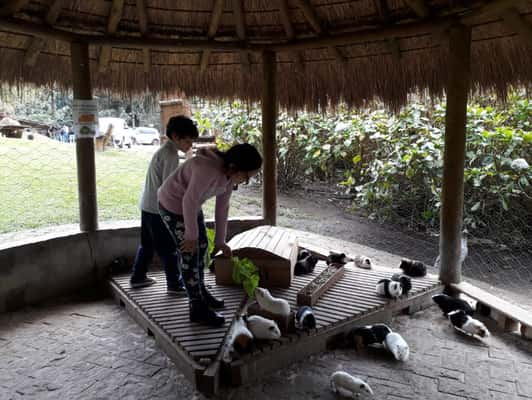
{"x": 197, "y": 350}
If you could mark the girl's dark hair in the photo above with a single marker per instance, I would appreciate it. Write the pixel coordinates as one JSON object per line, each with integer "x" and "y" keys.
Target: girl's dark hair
{"x": 182, "y": 127}
{"x": 244, "y": 157}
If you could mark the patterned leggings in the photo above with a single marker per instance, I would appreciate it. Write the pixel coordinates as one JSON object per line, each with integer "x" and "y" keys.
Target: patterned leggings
{"x": 191, "y": 265}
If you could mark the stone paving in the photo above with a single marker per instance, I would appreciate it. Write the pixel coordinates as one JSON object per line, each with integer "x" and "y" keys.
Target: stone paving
{"x": 91, "y": 349}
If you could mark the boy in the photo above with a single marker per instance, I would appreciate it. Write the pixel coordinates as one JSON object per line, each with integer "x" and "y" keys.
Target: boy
{"x": 181, "y": 131}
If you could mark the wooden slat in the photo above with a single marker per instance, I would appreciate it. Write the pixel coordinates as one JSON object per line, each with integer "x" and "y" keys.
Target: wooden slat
{"x": 494, "y": 302}
{"x": 310, "y": 15}
{"x": 113, "y": 20}
{"x": 211, "y": 31}
{"x": 11, "y": 7}
{"x": 419, "y": 7}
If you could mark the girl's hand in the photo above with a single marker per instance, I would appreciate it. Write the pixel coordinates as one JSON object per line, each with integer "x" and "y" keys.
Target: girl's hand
{"x": 189, "y": 246}
{"x": 225, "y": 249}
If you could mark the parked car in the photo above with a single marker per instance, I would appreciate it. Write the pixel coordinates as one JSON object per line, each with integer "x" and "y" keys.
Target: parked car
{"x": 121, "y": 133}
{"x": 145, "y": 135}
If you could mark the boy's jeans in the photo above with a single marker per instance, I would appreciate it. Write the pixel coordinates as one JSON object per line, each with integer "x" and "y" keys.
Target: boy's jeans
{"x": 154, "y": 237}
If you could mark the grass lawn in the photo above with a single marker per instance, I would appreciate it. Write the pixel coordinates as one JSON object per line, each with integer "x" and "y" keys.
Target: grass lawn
{"x": 38, "y": 184}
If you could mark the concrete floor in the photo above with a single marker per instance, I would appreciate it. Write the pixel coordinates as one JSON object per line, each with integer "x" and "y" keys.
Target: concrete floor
{"x": 89, "y": 348}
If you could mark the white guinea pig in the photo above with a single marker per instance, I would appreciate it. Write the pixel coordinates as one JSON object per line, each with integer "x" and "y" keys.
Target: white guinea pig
{"x": 271, "y": 304}
{"x": 263, "y": 328}
{"x": 349, "y": 385}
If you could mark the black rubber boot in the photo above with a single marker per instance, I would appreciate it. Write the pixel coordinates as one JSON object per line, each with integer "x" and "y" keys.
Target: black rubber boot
{"x": 210, "y": 300}
{"x": 201, "y": 313}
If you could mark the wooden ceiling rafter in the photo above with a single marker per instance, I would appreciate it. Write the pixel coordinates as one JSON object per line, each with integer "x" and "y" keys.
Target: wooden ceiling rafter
{"x": 240, "y": 24}
{"x": 520, "y": 25}
{"x": 12, "y": 7}
{"x": 142, "y": 14}
{"x": 216, "y": 15}
{"x": 419, "y": 7}
{"x": 316, "y": 24}
{"x": 117, "y": 7}
{"x": 290, "y": 32}
{"x": 38, "y": 44}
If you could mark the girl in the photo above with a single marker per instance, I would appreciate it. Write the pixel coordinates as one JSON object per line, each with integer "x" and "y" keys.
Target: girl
{"x": 212, "y": 173}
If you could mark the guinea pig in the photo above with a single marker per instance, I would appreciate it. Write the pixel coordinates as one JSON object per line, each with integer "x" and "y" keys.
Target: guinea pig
{"x": 388, "y": 288}
{"x": 271, "y": 304}
{"x": 263, "y": 328}
{"x": 348, "y": 385}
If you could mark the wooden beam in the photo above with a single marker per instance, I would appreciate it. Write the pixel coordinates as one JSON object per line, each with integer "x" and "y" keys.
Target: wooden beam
{"x": 310, "y": 15}
{"x": 211, "y": 32}
{"x": 337, "y": 54}
{"x": 285, "y": 19}
{"x": 452, "y": 197}
{"x": 53, "y": 12}
{"x": 240, "y": 24}
{"x": 520, "y": 25}
{"x": 493, "y": 8}
{"x": 115, "y": 15}
{"x": 143, "y": 27}
{"x": 419, "y": 7}
{"x": 394, "y": 48}
{"x": 12, "y": 7}
{"x": 117, "y": 6}
{"x": 142, "y": 15}
{"x": 382, "y": 9}
{"x": 81, "y": 82}
{"x": 32, "y": 52}
{"x": 269, "y": 120}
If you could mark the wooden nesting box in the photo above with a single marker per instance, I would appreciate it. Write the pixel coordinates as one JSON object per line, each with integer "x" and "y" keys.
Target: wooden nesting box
{"x": 272, "y": 249}
{"x": 169, "y": 108}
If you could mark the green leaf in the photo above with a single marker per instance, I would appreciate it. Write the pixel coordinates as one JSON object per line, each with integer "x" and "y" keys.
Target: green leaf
{"x": 357, "y": 159}
{"x": 245, "y": 273}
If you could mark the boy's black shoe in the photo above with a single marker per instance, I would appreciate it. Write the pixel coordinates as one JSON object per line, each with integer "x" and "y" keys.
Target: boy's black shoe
{"x": 143, "y": 282}
{"x": 210, "y": 300}
{"x": 201, "y": 313}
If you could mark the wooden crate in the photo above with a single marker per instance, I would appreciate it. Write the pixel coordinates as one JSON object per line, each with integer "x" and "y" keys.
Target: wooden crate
{"x": 273, "y": 250}
{"x": 309, "y": 295}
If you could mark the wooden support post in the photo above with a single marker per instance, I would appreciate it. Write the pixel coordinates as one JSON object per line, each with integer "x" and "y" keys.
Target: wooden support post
{"x": 81, "y": 82}
{"x": 452, "y": 198}
{"x": 269, "y": 118}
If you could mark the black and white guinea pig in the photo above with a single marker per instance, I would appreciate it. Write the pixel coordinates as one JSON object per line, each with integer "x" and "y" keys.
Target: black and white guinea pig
{"x": 448, "y": 304}
{"x": 367, "y": 335}
{"x": 305, "y": 263}
{"x": 413, "y": 268}
{"x": 466, "y": 324}
{"x": 263, "y": 328}
{"x": 404, "y": 280}
{"x": 305, "y": 318}
{"x": 338, "y": 258}
{"x": 389, "y": 289}
{"x": 363, "y": 262}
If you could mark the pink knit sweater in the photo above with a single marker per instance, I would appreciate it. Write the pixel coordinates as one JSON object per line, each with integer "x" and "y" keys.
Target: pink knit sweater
{"x": 197, "y": 180}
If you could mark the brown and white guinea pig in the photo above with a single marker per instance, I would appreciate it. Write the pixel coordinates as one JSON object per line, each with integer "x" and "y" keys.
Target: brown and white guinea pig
{"x": 348, "y": 385}
{"x": 271, "y": 304}
{"x": 404, "y": 280}
{"x": 466, "y": 324}
{"x": 241, "y": 336}
{"x": 413, "y": 268}
{"x": 363, "y": 262}
{"x": 263, "y": 328}
{"x": 389, "y": 289}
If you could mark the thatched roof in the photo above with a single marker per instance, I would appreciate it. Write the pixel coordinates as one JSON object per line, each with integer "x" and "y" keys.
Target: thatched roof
{"x": 326, "y": 50}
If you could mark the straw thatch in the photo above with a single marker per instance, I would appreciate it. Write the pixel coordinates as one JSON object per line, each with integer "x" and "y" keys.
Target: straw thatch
{"x": 410, "y": 54}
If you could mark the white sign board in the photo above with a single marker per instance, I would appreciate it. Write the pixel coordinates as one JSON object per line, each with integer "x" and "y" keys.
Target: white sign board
{"x": 85, "y": 114}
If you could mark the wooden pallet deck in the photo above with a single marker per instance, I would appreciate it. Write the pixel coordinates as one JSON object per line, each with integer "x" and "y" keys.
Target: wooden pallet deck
{"x": 197, "y": 350}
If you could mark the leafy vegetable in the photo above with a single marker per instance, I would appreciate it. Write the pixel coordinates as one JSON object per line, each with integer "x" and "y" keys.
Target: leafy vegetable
{"x": 210, "y": 246}
{"x": 245, "y": 273}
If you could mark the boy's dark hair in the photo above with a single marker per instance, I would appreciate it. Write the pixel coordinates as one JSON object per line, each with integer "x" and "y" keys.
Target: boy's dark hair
{"x": 244, "y": 157}
{"x": 182, "y": 127}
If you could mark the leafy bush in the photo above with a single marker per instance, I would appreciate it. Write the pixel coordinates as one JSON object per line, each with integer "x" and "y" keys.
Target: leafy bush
{"x": 393, "y": 164}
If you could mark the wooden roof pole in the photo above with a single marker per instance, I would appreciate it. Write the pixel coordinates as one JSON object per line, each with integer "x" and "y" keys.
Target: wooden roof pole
{"x": 452, "y": 197}
{"x": 419, "y": 7}
{"x": 290, "y": 32}
{"x": 238, "y": 12}
{"x": 37, "y": 44}
{"x": 143, "y": 27}
{"x": 213, "y": 27}
{"x": 269, "y": 120}
{"x": 81, "y": 82}
{"x": 315, "y": 23}
{"x": 115, "y": 15}
{"x": 11, "y": 7}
